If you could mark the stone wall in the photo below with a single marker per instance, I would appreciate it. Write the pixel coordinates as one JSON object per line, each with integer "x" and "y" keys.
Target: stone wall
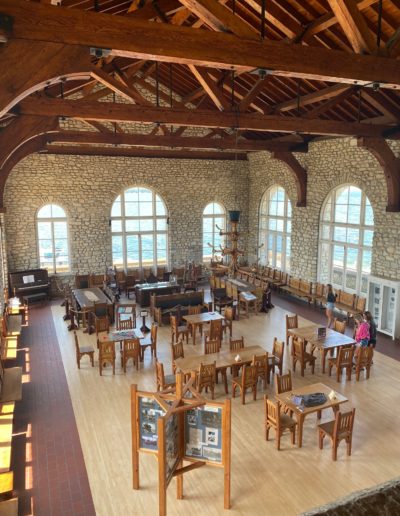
{"x": 329, "y": 163}
{"x": 86, "y": 188}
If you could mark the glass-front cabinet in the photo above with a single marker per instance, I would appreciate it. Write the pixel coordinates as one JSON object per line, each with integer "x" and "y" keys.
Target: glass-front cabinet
{"x": 383, "y": 303}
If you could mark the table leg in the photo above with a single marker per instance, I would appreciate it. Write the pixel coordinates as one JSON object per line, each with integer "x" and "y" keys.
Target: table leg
{"x": 324, "y": 351}
{"x": 335, "y": 409}
{"x": 194, "y": 328}
{"x": 300, "y": 422}
{"x": 319, "y": 414}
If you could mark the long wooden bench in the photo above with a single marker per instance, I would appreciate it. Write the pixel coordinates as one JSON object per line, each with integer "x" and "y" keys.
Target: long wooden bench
{"x": 299, "y": 288}
{"x": 164, "y": 306}
{"x": 350, "y": 304}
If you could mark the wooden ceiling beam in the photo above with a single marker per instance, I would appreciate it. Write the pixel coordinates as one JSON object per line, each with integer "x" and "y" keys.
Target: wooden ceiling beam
{"x": 329, "y": 19}
{"x": 144, "y": 140}
{"x": 187, "y": 46}
{"x": 219, "y": 18}
{"x": 311, "y": 98}
{"x": 380, "y": 149}
{"x": 254, "y": 92}
{"x": 144, "y": 153}
{"x": 353, "y": 25}
{"x": 108, "y": 111}
{"x": 382, "y": 104}
{"x": 210, "y": 87}
{"x": 332, "y": 102}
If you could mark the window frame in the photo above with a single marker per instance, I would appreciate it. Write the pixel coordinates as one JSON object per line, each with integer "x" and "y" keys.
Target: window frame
{"x": 52, "y": 220}
{"x": 360, "y": 247}
{"x": 140, "y": 233}
{"x": 215, "y": 231}
{"x": 264, "y": 231}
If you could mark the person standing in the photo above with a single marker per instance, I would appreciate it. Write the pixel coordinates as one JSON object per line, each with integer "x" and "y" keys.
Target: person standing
{"x": 372, "y": 328}
{"x": 330, "y": 304}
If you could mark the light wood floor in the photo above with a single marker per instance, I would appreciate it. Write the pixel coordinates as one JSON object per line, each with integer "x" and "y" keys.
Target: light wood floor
{"x": 264, "y": 481}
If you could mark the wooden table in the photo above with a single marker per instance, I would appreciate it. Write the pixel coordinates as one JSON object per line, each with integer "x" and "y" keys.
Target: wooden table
{"x": 329, "y": 343}
{"x": 242, "y": 286}
{"x": 121, "y": 335}
{"x": 199, "y": 319}
{"x": 286, "y": 399}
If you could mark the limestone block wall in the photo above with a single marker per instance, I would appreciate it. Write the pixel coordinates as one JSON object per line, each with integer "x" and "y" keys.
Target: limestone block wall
{"x": 329, "y": 163}
{"x": 86, "y": 188}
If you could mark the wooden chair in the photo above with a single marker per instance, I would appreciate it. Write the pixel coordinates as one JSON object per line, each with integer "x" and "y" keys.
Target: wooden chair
{"x": 340, "y": 428}
{"x": 279, "y": 422}
{"x": 176, "y": 352}
{"x": 343, "y": 360}
{"x": 300, "y": 355}
{"x": 150, "y": 343}
{"x": 131, "y": 349}
{"x": 262, "y": 363}
{"x": 125, "y": 324}
{"x": 339, "y": 326}
{"x": 211, "y": 346}
{"x": 214, "y": 332}
{"x": 82, "y": 351}
{"x": 130, "y": 283}
{"x": 102, "y": 324}
{"x": 106, "y": 354}
{"x": 236, "y": 344}
{"x": 291, "y": 322}
{"x": 228, "y": 321}
{"x": 276, "y": 359}
{"x": 125, "y": 316}
{"x": 364, "y": 360}
{"x": 178, "y": 331}
{"x": 205, "y": 378}
{"x": 247, "y": 380}
{"x": 283, "y": 383}
{"x": 163, "y": 382}
{"x": 195, "y": 310}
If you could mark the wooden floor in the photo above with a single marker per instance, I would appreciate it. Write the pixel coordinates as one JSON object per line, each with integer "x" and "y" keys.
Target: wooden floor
{"x": 264, "y": 481}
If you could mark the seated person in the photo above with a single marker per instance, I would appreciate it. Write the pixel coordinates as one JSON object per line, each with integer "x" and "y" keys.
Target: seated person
{"x": 361, "y": 333}
{"x": 151, "y": 278}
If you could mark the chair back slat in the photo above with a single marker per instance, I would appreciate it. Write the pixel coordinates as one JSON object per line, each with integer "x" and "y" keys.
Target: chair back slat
{"x": 278, "y": 349}
{"x": 236, "y": 344}
{"x": 345, "y": 356}
{"x": 211, "y": 346}
{"x": 291, "y": 322}
{"x": 283, "y": 383}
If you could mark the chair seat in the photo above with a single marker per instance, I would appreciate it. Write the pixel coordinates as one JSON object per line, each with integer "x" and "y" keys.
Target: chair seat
{"x": 182, "y": 329}
{"x": 328, "y": 428}
{"x": 86, "y": 349}
{"x": 287, "y": 421}
{"x": 308, "y": 357}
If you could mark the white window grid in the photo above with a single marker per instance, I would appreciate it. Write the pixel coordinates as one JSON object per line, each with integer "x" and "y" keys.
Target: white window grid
{"x": 52, "y": 220}
{"x": 218, "y": 213}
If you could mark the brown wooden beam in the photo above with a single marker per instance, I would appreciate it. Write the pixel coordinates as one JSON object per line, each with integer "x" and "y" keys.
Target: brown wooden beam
{"x": 187, "y": 46}
{"x": 144, "y": 153}
{"x": 143, "y": 140}
{"x": 353, "y": 25}
{"x": 210, "y": 87}
{"x": 246, "y": 101}
{"x": 380, "y": 149}
{"x": 102, "y": 111}
{"x": 300, "y": 175}
{"x": 311, "y": 98}
{"x": 329, "y": 104}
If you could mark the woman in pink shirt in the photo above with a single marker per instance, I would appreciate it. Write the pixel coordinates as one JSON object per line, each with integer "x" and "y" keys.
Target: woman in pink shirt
{"x": 362, "y": 332}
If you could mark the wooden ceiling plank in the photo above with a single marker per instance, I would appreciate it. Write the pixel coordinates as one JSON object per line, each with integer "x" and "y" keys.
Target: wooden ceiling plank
{"x": 210, "y": 87}
{"x": 185, "y": 45}
{"x": 253, "y": 93}
{"x": 379, "y": 101}
{"x": 129, "y": 93}
{"x": 353, "y": 25}
{"x": 311, "y": 98}
{"x": 328, "y": 104}
{"x": 219, "y": 18}
{"x": 109, "y": 111}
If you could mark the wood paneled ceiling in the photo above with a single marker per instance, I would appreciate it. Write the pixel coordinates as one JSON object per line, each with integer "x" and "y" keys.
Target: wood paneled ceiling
{"x": 186, "y": 101}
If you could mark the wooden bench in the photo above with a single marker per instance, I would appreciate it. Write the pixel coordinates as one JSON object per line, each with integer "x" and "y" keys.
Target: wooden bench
{"x": 299, "y": 288}
{"x": 345, "y": 303}
{"x": 168, "y": 304}
{"x": 31, "y": 298}
{"x": 319, "y": 293}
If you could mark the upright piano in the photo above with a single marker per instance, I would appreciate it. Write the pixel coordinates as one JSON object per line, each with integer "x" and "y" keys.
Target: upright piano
{"x": 32, "y": 281}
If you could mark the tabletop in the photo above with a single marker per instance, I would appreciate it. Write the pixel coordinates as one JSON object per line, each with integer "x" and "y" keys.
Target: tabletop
{"x": 119, "y": 335}
{"x": 332, "y": 339}
{"x": 202, "y": 318}
{"x": 221, "y": 359}
{"x": 286, "y": 398}
{"x": 243, "y": 286}
{"x": 87, "y": 296}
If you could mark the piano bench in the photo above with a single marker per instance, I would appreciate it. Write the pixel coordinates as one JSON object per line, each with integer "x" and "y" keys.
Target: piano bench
{"x": 31, "y": 298}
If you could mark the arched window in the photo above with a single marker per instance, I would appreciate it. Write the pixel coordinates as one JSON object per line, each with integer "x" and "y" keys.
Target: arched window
{"x": 52, "y": 229}
{"x": 275, "y": 227}
{"x": 139, "y": 229}
{"x": 346, "y": 234}
{"x": 213, "y": 215}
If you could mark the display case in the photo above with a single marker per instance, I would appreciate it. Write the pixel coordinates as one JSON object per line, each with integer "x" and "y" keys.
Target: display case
{"x": 383, "y": 303}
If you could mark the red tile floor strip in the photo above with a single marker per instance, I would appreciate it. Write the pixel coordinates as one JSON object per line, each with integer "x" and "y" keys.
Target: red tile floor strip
{"x": 50, "y": 476}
